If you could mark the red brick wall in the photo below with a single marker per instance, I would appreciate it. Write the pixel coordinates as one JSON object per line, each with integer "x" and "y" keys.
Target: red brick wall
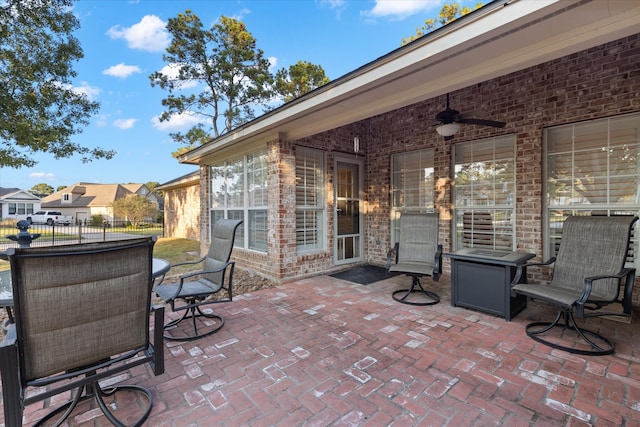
{"x": 600, "y": 82}
{"x": 182, "y": 212}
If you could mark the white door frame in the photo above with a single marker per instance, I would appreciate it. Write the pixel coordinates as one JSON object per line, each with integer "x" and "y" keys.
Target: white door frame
{"x": 348, "y": 247}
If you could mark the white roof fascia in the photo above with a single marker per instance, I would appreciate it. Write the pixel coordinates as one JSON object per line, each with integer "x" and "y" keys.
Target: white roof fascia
{"x": 20, "y": 195}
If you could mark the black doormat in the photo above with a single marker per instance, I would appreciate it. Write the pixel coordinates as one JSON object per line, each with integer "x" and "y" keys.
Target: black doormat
{"x": 364, "y": 274}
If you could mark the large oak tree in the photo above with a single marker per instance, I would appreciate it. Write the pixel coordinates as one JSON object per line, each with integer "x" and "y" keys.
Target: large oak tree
{"x": 230, "y": 74}
{"x": 221, "y": 77}
{"x": 39, "y": 110}
{"x": 299, "y": 79}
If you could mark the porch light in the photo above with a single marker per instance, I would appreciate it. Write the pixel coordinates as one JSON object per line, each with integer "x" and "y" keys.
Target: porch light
{"x": 448, "y": 129}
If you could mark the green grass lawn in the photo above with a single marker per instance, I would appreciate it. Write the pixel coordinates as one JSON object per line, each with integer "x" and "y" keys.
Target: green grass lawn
{"x": 172, "y": 249}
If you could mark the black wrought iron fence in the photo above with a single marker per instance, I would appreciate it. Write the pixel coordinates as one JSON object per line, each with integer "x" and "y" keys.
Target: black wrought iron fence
{"x": 58, "y": 234}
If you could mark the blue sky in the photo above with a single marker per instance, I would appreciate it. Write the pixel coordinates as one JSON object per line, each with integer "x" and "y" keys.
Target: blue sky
{"x": 123, "y": 43}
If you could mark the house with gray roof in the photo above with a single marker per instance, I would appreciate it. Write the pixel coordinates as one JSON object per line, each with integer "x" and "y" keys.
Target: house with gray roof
{"x": 17, "y": 204}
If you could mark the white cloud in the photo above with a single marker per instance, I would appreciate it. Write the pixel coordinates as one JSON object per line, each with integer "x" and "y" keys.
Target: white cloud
{"x": 122, "y": 70}
{"x": 85, "y": 88}
{"x": 240, "y": 15}
{"x": 273, "y": 63}
{"x": 172, "y": 71}
{"x": 333, "y": 4}
{"x": 43, "y": 176}
{"x": 177, "y": 122}
{"x": 400, "y": 9}
{"x": 102, "y": 120}
{"x": 337, "y": 5}
{"x": 149, "y": 34}
{"x": 124, "y": 123}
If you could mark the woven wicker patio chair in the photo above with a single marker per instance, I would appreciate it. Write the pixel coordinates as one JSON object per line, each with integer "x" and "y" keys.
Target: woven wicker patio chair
{"x": 588, "y": 274}
{"x": 199, "y": 288}
{"x": 417, "y": 254}
{"x": 82, "y": 315}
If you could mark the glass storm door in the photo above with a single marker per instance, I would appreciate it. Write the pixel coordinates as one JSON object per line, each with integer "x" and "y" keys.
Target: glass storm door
{"x": 348, "y": 218}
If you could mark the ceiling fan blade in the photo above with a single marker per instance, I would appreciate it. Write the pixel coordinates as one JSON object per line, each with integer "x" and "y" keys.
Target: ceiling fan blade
{"x": 483, "y": 122}
{"x": 474, "y": 113}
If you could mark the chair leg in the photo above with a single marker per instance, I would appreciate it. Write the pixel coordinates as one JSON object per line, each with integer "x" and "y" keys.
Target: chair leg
{"x": 416, "y": 287}
{"x": 94, "y": 391}
{"x": 11, "y": 388}
{"x": 600, "y": 345}
{"x": 193, "y": 313}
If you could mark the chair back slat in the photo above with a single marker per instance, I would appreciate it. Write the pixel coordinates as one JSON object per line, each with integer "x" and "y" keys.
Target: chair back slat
{"x": 418, "y": 238}
{"x": 76, "y": 305}
{"x": 590, "y": 246}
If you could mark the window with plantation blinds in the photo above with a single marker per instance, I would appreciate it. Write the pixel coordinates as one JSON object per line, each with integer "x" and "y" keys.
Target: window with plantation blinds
{"x": 239, "y": 191}
{"x": 592, "y": 168}
{"x": 310, "y": 200}
{"x": 412, "y": 185}
{"x": 484, "y": 193}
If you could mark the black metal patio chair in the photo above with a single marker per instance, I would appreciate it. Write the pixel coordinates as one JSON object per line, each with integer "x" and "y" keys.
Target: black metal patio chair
{"x": 417, "y": 254}
{"x": 589, "y": 274}
{"x": 211, "y": 284}
{"x": 82, "y": 315}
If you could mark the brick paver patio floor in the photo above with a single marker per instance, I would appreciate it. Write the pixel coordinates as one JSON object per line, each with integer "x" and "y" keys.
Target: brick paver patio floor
{"x": 326, "y": 352}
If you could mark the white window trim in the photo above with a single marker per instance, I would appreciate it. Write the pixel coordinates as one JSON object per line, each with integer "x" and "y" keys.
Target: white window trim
{"x": 321, "y": 209}
{"x": 497, "y": 241}
{"x": 573, "y": 209}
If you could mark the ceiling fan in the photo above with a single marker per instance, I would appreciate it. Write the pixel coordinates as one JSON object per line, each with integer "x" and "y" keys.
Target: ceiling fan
{"x": 448, "y": 121}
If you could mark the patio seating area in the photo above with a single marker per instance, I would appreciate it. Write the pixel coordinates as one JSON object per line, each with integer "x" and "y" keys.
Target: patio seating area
{"x": 323, "y": 351}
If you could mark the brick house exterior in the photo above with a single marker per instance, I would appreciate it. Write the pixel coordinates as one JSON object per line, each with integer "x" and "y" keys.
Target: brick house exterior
{"x": 182, "y": 206}
{"x": 592, "y": 79}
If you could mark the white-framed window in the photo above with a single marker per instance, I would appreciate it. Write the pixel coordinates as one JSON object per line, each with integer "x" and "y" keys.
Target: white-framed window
{"x": 20, "y": 208}
{"x": 310, "y": 200}
{"x": 239, "y": 191}
{"x": 591, "y": 168}
{"x": 66, "y": 197}
{"x": 484, "y": 193}
{"x": 412, "y": 185}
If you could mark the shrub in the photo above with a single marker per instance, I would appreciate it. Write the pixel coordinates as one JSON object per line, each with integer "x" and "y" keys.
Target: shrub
{"x": 96, "y": 220}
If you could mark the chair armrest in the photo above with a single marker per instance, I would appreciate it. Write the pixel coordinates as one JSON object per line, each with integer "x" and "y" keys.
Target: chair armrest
{"x": 437, "y": 263}
{"x": 628, "y": 273}
{"x": 198, "y": 261}
{"x": 540, "y": 264}
{"x": 520, "y": 269}
{"x": 199, "y": 273}
{"x": 390, "y": 253}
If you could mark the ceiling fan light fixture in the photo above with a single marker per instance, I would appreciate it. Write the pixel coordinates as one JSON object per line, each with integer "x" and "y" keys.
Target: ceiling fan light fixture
{"x": 448, "y": 129}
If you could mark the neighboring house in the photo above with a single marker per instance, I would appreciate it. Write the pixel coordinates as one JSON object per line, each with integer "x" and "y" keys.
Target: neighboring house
{"x": 143, "y": 190}
{"x": 182, "y": 206}
{"x": 321, "y": 181}
{"x": 16, "y": 204}
{"x": 84, "y": 200}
